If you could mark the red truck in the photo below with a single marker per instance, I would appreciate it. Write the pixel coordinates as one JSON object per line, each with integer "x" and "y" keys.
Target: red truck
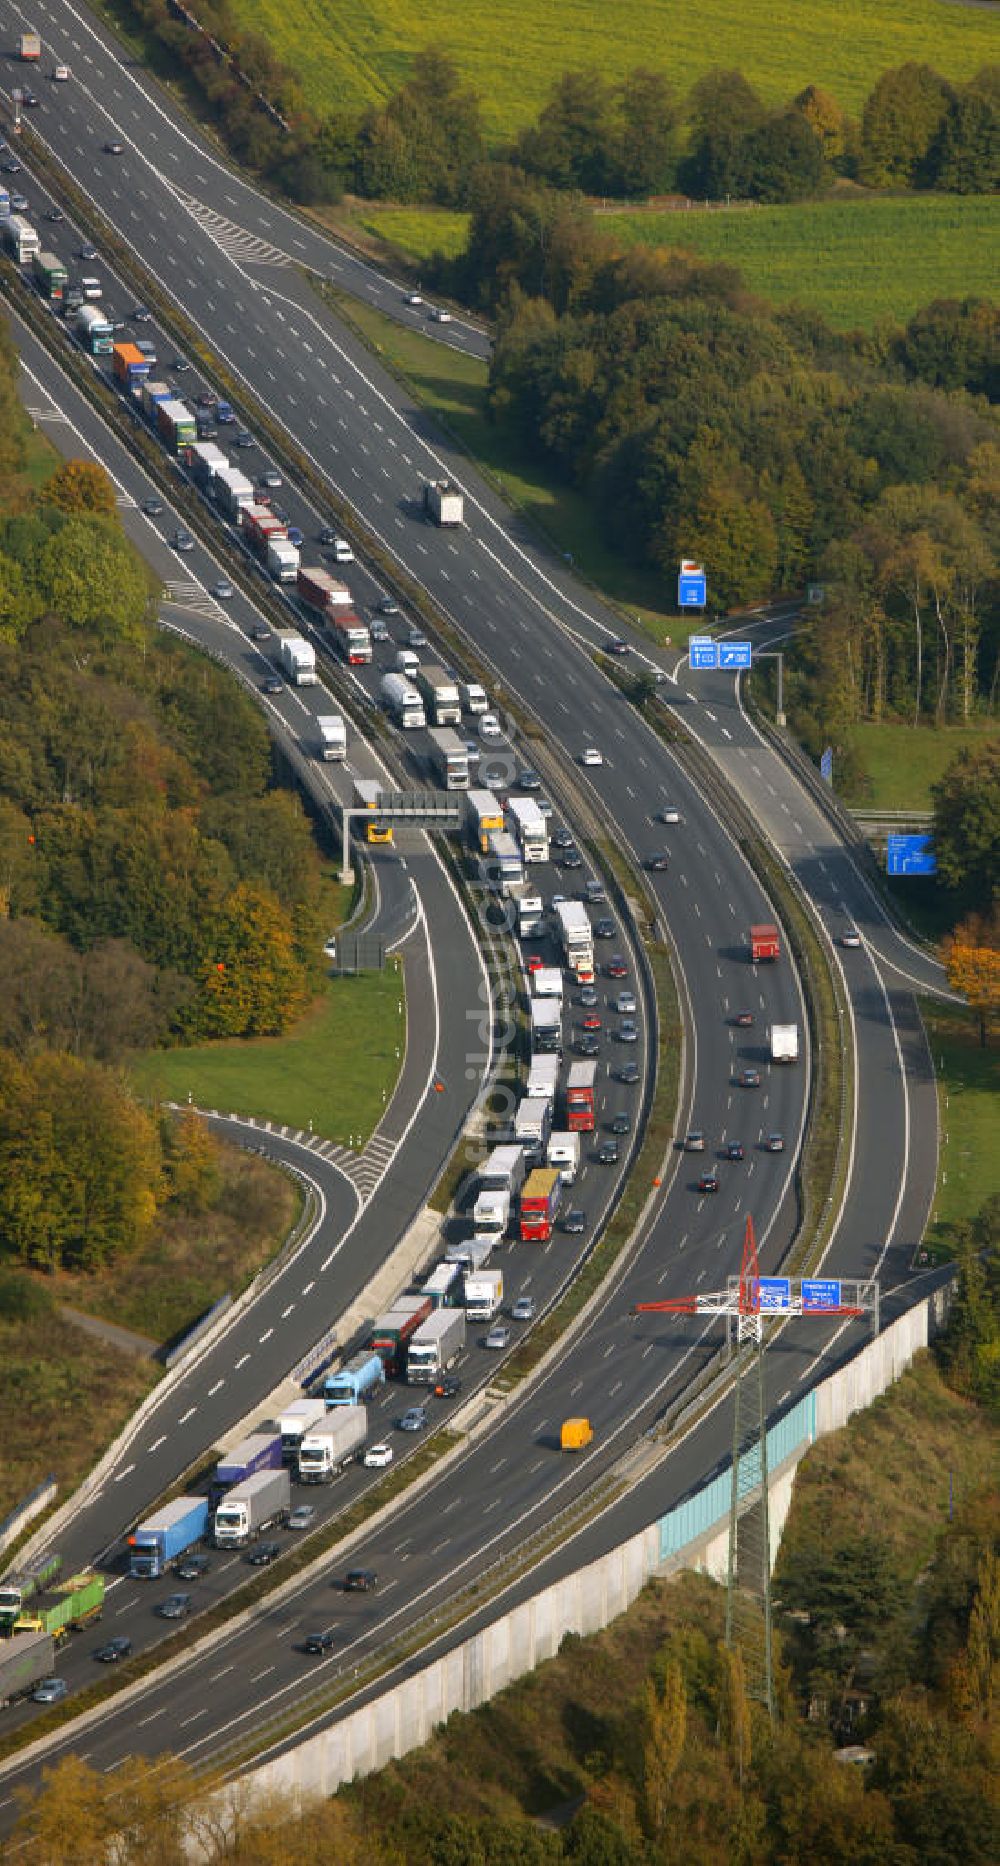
{"x": 764, "y": 943}
{"x": 391, "y": 1333}
{"x": 261, "y": 527}
{"x": 580, "y": 1082}
{"x": 541, "y": 1196}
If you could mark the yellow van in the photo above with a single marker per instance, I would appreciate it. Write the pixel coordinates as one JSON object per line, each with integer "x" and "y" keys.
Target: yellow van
{"x": 576, "y": 1434}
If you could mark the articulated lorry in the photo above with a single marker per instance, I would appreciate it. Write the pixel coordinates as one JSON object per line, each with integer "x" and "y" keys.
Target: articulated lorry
{"x": 350, "y": 636}
{"x": 93, "y": 330}
{"x": 563, "y": 1152}
{"x": 51, "y": 276}
{"x": 529, "y": 825}
{"x": 298, "y": 660}
{"x": 435, "y": 1347}
{"x": 331, "y": 1446}
{"x": 533, "y": 1125}
{"x": 356, "y": 1381}
{"x": 167, "y": 1535}
{"x": 282, "y": 559}
{"x": 541, "y": 1197}
{"x": 77, "y": 1601}
{"x": 543, "y": 1077}
{"x": 576, "y": 936}
{"x": 444, "y": 1285}
{"x": 483, "y": 1295}
{"x": 332, "y": 736}
{"x": 764, "y": 943}
{"x": 502, "y": 1170}
{"x": 24, "y": 1662}
{"x": 545, "y": 1015}
{"x": 390, "y": 1334}
{"x": 261, "y": 1451}
{"x": 485, "y": 815}
{"x": 505, "y": 863}
{"x": 41, "y": 1572}
{"x": 443, "y": 502}
{"x": 253, "y": 1506}
{"x": 402, "y": 701}
{"x": 491, "y": 1214}
{"x": 470, "y": 1256}
{"x": 176, "y": 425}
{"x": 440, "y": 695}
{"x": 298, "y": 1419}
{"x": 581, "y": 1081}
{"x": 784, "y": 1039}
{"x": 21, "y": 239}
{"x": 448, "y": 758}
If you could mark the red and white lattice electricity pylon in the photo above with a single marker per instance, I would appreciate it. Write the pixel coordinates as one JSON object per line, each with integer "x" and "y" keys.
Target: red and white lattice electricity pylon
{"x": 746, "y": 1303}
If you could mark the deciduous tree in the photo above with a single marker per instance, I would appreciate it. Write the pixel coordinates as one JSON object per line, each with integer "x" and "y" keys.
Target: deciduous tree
{"x": 81, "y": 486}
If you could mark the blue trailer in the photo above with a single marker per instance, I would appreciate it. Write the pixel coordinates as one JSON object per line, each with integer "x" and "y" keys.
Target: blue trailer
{"x": 260, "y": 1452}
{"x": 352, "y": 1383}
{"x": 169, "y": 1533}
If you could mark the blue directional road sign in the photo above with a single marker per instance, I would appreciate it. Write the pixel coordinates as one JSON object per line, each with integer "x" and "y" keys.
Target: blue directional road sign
{"x": 734, "y": 654}
{"x": 703, "y": 651}
{"x": 820, "y": 1292}
{"x": 826, "y": 765}
{"x": 775, "y": 1292}
{"x": 910, "y": 855}
{"x": 692, "y": 590}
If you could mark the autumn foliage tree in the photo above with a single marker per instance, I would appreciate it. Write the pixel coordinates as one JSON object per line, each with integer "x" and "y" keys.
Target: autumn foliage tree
{"x": 81, "y": 486}
{"x": 972, "y": 960}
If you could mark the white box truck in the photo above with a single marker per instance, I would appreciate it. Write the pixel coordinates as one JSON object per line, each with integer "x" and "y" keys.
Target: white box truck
{"x": 435, "y": 1347}
{"x": 533, "y": 1125}
{"x": 502, "y": 1170}
{"x": 332, "y": 736}
{"x": 283, "y": 560}
{"x": 547, "y": 982}
{"x": 784, "y": 1043}
{"x": 325, "y": 1452}
{"x": 483, "y": 1295}
{"x": 249, "y": 1508}
{"x": 443, "y": 502}
{"x": 472, "y": 1255}
{"x": 543, "y": 1078}
{"x": 298, "y": 660}
{"x": 296, "y": 1421}
{"x": 402, "y": 701}
{"x": 491, "y": 1215}
{"x": 563, "y": 1151}
{"x": 546, "y": 1026}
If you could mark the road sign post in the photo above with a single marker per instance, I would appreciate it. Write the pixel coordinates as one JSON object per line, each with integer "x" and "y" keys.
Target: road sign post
{"x": 910, "y": 855}
{"x": 692, "y": 585}
{"x": 703, "y": 652}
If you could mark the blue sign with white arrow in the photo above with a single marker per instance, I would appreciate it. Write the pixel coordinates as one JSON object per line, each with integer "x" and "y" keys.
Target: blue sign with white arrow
{"x": 775, "y": 1292}
{"x": 820, "y": 1292}
{"x": 703, "y": 652}
{"x": 735, "y": 653}
{"x": 910, "y": 855}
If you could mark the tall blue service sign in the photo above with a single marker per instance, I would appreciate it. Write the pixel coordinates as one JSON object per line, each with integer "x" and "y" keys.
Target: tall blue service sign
{"x": 692, "y": 585}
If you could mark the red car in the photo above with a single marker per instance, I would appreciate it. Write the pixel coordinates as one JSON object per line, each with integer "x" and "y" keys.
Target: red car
{"x": 591, "y": 1021}
{"x": 616, "y": 967}
{"x": 533, "y": 962}
{"x": 744, "y": 1019}
{"x": 709, "y": 1182}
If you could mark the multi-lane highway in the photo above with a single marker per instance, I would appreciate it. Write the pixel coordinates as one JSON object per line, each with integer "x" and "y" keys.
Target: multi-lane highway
{"x": 532, "y": 624}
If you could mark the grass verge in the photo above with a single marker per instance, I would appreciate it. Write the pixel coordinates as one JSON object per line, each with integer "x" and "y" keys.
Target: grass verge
{"x": 902, "y": 762}
{"x": 968, "y": 1099}
{"x": 303, "y": 1079}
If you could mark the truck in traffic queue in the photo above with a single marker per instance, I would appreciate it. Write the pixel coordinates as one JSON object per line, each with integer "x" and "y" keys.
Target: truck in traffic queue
{"x": 330, "y": 1447}
{"x": 505, "y": 866}
{"x": 368, "y": 796}
{"x": 402, "y": 701}
{"x": 93, "y": 329}
{"x": 17, "y": 1589}
{"x": 76, "y": 1602}
{"x": 443, "y": 502}
{"x": 483, "y": 1294}
{"x": 151, "y": 394}
{"x": 543, "y": 1077}
{"x": 547, "y": 982}
{"x": 448, "y": 758}
{"x": 581, "y": 1080}
{"x": 260, "y": 1451}
{"x": 259, "y": 1503}
{"x": 484, "y": 814}
{"x": 176, "y": 425}
{"x": 233, "y": 491}
{"x": 296, "y": 1420}
{"x": 51, "y": 276}
{"x": 444, "y": 1286}
{"x": 349, "y": 635}
{"x": 764, "y": 942}
{"x": 545, "y": 1016}
{"x": 205, "y": 461}
{"x": 166, "y": 1535}
{"x": 356, "y": 1381}
{"x": 563, "y": 1152}
{"x": 29, "y": 47}
{"x": 784, "y": 1043}
{"x": 541, "y": 1197}
{"x": 319, "y": 590}
{"x": 4, "y": 203}
{"x": 529, "y": 827}
{"x": 530, "y": 912}
{"x": 576, "y": 937}
{"x": 470, "y": 1256}
{"x": 21, "y": 239}
{"x": 575, "y": 1434}
{"x": 24, "y": 1662}
{"x": 390, "y": 1334}
{"x": 533, "y": 1125}
{"x": 502, "y": 1170}
{"x": 435, "y": 1346}
{"x": 298, "y": 659}
{"x": 439, "y": 693}
{"x": 260, "y": 528}
{"x": 491, "y": 1214}
{"x": 282, "y": 559}
{"x": 332, "y": 736}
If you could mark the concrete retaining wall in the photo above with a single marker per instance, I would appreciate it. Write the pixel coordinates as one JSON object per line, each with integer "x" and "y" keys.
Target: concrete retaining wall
{"x": 405, "y": 1715}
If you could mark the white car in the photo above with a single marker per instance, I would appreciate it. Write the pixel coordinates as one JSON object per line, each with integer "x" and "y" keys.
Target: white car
{"x": 670, "y": 814}
{"x": 377, "y": 1457}
{"x": 440, "y": 317}
{"x": 489, "y": 726}
{"x": 330, "y": 946}
{"x": 591, "y": 756}
{"x": 342, "y": 551}
{"x": 850, "y": 937}
{"x": 414, "y": 298}
{"x": 61, "y": 74}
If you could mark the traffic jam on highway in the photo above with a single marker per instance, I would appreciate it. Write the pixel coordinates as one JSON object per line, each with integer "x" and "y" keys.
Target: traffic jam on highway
{"x": 543, "y": 1190}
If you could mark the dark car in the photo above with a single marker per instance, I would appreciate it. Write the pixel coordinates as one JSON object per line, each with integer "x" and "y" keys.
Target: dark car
{"x": 413, "y": 1419}
{"x": 13, "y": 167}
{"x": 628, "y": 1031}
{"x": 182, "y": 541}
{"x": 141, "y": 314}
{"x": 272, "y": 685}
{"x": 604, "y": 929}
{"x": 115, "y": 1649}
{"x": 561, "y": 839}
{"x": 736, "y": 1150}
{"x": 621, "y": 1123}
{"x": 616, "y": 646}
{"x": 709, "y": 1182}
{"x": 585, "y": 1045}
{"x": 179, "y": 365}
{"x": 378, "y": 630}
{"x": 55, "y": 214}
{"x": 588, "y": 997}
{"x": 29, "y": 100}
{"x": 260, "y": 632}
{"x": 447, "y": 1387}
{"x": 628, "y": 1072}
{"x": 86, "y": 251}
{"x": 360, "y": 1581}
{"x": 114, "y": 148}
{"x": 607, "y": 1153}
{"x": 192, "y": 1567}
{"x": 318, "y": 1643}
{"x": 594, "y": 892}
{"x": 387, "y": 605}
{"x": 175, "y": 1607}
{"x": 574, "y": 1221}
{"x": 570, "y": 858}
{"x": 744, "y": 1019}
{"x": 153, "y": 508}
{"x": 326, "y": 535}
{"x": 529, "y": 780}
{"x": 616, "y": 967}
{"x": 657, "y": 863}
{"x": 264, "y": 1554}
{"x": 243, "y": 439}
{"x": 207, "y": 398}
{"x": 749, "y": 1078}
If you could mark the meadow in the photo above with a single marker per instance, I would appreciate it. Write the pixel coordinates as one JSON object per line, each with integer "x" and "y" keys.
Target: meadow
{"x": 347, "y": 57}
{"x": 902, "y": 762}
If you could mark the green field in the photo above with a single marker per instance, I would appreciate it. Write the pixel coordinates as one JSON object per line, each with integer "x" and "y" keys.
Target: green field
{"x": 968, "y": 1097}
{"x": 857, "y": 258}
{"x": 347, "y": 57}
{"x": 904, "y": 761}
{"x": 333, "y": 1073}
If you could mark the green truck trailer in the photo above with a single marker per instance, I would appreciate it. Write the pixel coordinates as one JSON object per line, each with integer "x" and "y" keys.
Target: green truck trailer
{"x": 76, "y": 1602}
{"x": 51, "y": 276}
{"x": 17, "y": 1589}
